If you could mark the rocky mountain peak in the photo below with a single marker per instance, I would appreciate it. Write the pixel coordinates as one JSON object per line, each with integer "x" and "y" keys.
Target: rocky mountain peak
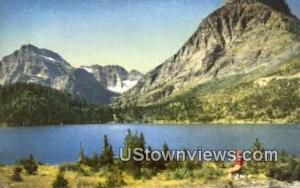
{"x": 135, "y": 75}
{"x": 29, "y": 47}
{"x": 235, "y": 39}
{"x": 279, "y": 5}
{"x": 31, "y": 64}
{"x": 32, "y": 50}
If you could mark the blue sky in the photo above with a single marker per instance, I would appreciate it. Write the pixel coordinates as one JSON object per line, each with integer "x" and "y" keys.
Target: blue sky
{"x": 136, "y": 34}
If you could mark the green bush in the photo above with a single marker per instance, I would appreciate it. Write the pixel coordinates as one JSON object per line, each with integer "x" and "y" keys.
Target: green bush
{"x": 210, "y": 173}
{"x": 71, "y": 167}
{"x": 148, "y": 173}
{"x": 181, "y": 173}
{"x": 184, "y": 169}
{"x": 173, "y": 165}
{"x": 286, "y": 169}
{"x": 60, "y": 181}
{"x": 113, "y": 177}
{"x": 29, "y": 164}
{"x": 220, "y": 164}
{"x": 17, "y": 174}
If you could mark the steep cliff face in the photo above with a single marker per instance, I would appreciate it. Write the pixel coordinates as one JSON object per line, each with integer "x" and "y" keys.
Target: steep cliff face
{"x": 114, "y": 77}
{"x": 239, "y": 37}
{"x": 30, "y": 64}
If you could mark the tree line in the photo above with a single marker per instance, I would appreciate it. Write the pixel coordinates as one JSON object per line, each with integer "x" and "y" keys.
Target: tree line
{"x": 25, "y": 104}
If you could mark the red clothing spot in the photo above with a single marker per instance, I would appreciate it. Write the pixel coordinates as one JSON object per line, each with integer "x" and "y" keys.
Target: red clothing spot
{"x": 239, "y": 158}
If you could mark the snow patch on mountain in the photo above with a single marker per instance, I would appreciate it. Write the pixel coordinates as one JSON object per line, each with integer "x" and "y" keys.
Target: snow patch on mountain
{"x": 49, "y": 58}
{"x": 89, "y": 70}
{"x": 123, "y": 86}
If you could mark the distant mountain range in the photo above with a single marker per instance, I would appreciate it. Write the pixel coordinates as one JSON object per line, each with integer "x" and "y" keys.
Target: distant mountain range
{"x": 114, "y": 77}
{"x": 96, "y": 83}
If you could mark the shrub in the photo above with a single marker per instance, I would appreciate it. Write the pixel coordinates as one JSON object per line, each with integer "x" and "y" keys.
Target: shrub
{"x": 192, "y": 165}
{"x": 113, "y": 178}
{"x": 60, "y": 181}
{"x": 147, "y": 173}
{"x": 220, "y": 164}
{"x": 182, "y": 170}
{"x": 286, "y": 169}
{"x": 17, "y": 174}
{"x": 181, "y": 173}
{"x": 29, "y": 164}
{"x": 85, "y": 184}
{"x": 70, "y": 167}
{"x": 173, "y": 165}
{"x": 210, "y": 173}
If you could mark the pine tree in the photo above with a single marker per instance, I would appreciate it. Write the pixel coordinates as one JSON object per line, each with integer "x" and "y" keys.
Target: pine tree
{"x": 131, "y": 143}
{"x": 256, "y": 166}
{"x": 166, "y": 150}
{"x": 94, "y": 161}
{"x": 107, "y": 155}
{"x": 257, "y": 146}
{"x": 82, "y": 159}
{"x": 142, "y": 141}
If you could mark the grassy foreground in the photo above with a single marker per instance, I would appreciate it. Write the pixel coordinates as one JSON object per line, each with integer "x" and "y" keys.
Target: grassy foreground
{"x": 46, "y": 175}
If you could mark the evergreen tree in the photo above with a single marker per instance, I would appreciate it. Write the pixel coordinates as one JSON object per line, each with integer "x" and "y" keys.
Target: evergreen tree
{"x": 142, "y": 141}
{"x": 107, "y": 155}
{"x": 131, "y": 143}
{"x": 166, "y": 150}
{"x": 256, "y": 166}
{"x": 257, "y": 146}
{"x": 94, "y": 161}
{"x": 82, "y": 159}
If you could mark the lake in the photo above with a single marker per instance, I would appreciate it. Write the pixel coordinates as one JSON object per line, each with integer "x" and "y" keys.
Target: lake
{"x": 56, "y": 144}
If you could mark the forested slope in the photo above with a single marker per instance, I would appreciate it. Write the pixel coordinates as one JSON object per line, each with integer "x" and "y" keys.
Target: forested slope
{"x": 31, "y": 104}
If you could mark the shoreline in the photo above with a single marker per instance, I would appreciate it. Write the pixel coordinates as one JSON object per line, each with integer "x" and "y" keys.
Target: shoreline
{"x": 166, "y": 123}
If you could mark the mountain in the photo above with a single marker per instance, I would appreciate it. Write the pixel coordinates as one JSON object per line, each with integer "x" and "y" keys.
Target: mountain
{"x": 260, "y": 96}
{"x": 239, "y": 38}
{"x": 114, "y": 77}
{"x": 31, "y": 104}
{"x": 30, "y": 64}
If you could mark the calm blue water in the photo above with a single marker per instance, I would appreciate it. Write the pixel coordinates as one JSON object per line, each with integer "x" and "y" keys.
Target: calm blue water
{"x": 55, "y": 144}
